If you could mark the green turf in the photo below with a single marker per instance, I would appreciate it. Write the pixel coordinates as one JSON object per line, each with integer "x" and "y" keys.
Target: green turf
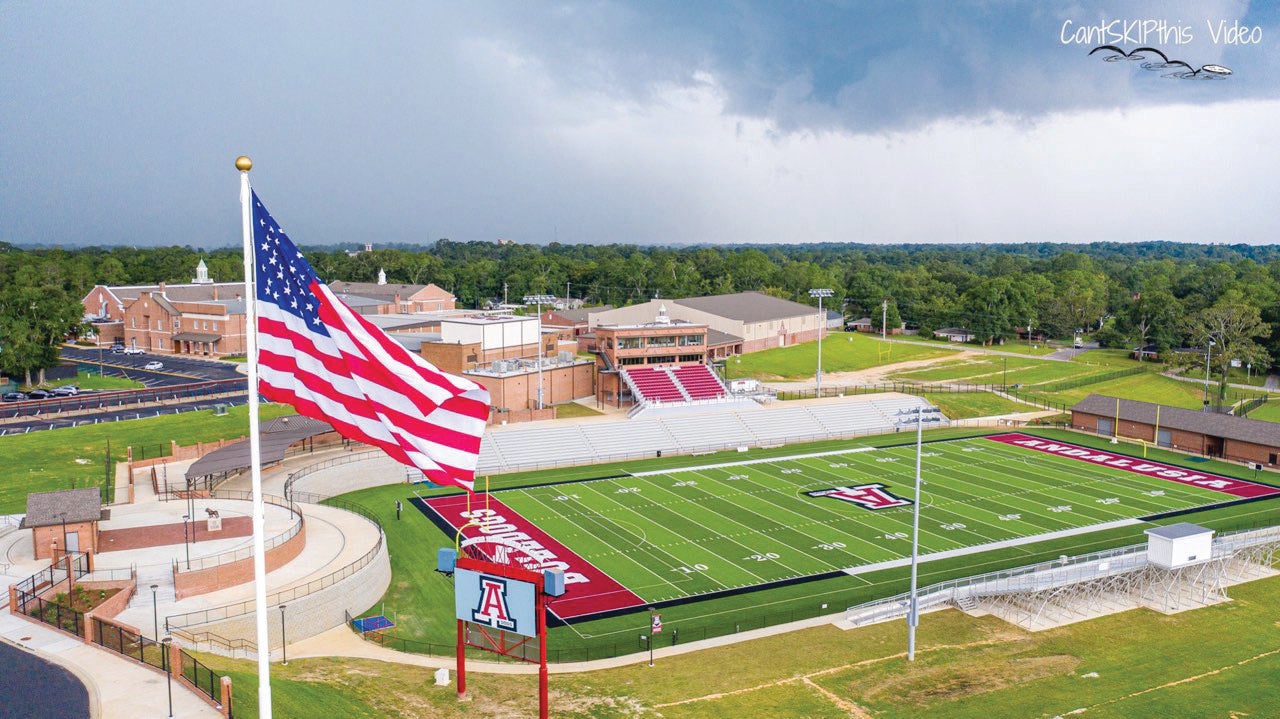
{"x": 423, "y": 598}
{"x": 677, "y": 534}
{"x": 841, "y": 352}
{"x": 74, "y": 457}
{"x": 965, "y": 405}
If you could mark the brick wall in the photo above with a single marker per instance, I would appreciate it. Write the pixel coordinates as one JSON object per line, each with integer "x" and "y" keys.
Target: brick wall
{"x": 203, "y": 581}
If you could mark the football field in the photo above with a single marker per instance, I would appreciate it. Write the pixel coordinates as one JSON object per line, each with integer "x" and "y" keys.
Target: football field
{"x": 649, "y": 538}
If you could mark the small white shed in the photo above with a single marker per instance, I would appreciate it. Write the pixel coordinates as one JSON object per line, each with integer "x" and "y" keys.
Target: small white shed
{"x": 1178, "y": 545}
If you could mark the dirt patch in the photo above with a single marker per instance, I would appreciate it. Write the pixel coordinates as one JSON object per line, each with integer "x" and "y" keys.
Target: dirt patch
{"x": 947, "y": 682}
{"x": 872, "y": 375}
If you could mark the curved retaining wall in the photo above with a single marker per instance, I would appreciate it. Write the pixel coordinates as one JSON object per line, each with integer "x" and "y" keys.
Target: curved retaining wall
{"x": 202, "y": 581}
{"x": 309, "y": 614}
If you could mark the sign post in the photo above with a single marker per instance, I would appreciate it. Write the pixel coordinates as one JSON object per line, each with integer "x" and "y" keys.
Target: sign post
{"x": 502, "y": 608}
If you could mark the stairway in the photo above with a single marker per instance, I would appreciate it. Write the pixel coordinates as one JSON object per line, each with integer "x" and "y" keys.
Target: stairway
{"x": 160, "y": 575}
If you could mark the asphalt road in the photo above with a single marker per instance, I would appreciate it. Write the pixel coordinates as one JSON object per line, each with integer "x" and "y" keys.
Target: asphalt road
{"x": 36, "y": 424}
{"x": 32, "y": 688}
{"x": 177, "y": 369}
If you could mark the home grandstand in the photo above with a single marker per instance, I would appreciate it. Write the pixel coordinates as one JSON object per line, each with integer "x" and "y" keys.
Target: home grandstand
{"x": 542, "y": 445}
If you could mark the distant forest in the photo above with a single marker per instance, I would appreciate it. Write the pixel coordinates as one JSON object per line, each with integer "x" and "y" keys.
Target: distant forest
{"x": 1122, "y": 294}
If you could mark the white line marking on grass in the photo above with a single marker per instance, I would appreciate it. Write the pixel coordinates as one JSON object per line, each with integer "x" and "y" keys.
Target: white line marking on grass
{"x": 1002, "y": 544}
{"x": 746, "y": 462}
{"x": 628, "y": 555}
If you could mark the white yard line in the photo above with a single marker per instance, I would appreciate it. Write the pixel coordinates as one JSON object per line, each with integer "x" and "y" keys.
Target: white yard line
{"x": 1002, "y": 544}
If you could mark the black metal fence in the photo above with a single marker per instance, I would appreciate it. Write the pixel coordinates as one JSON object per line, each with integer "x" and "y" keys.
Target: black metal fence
{"x": 52, "y": 613}
{"x": 130, "y": 644}
{"x": 201, "y": 677}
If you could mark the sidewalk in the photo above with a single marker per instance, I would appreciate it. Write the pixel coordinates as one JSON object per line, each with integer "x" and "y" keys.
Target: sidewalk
{"x": 343, "y": 642}
{"x": 119, "y": 688}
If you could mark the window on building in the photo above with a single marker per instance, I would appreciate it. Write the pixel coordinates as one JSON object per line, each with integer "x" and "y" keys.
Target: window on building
{"x": 692, "y": 340}
{"x": 662, "y": 359}
{"x": 662, "y": 341}
{"x": 630, "y": 360}
{"x": 629, "y": 343}
{"x": 177, "y": 323}
{"x": 690, "y": 358}
{"x": 133, "y": 323}
{"x": 215, "y": 325}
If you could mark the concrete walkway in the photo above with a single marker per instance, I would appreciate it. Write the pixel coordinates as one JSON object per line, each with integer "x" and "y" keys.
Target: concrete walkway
{"x": 342, "y": 642}
{"x": 119, "y": 688}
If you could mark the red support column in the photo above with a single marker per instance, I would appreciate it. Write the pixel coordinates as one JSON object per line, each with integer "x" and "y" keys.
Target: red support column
{"x": 462, "y": 662}
{"x": 543, "y": 699}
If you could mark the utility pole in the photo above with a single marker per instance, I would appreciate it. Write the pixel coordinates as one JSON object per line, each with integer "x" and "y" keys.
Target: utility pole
{"x": 884, "y": 319}
{"x": 504, "y": 293}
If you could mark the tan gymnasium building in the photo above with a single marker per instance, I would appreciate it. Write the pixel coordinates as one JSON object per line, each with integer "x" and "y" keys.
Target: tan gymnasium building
{"x": 753, "y": 320}
{"x": 1233, "y": 438}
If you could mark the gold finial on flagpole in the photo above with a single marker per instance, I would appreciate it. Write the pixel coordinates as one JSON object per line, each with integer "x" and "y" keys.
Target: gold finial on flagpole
{"x": 243, "y": 163}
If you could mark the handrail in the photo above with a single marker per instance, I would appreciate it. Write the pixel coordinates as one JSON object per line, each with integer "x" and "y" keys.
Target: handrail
{"x": 237, "y": 609}
{"x": 242, "y": 553}
{"x": 347, "y": 458}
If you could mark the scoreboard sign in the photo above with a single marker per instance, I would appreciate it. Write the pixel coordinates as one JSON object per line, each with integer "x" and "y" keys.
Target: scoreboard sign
{"x": 496, "y": 602}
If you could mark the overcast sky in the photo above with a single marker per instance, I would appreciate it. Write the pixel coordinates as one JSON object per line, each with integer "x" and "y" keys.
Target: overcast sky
{"x": 646, "y": 122}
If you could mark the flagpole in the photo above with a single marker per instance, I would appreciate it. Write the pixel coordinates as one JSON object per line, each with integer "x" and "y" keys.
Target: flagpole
{"x": 244, "y": 164}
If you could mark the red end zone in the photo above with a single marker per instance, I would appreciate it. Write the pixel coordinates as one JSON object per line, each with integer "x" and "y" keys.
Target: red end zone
{"x": 587, "y": 589}
{"x": 1169, "y": 473}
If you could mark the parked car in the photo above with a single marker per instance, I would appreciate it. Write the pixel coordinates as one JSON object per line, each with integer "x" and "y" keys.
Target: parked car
{"x": 154, "y": 365}
{"x": 133, "y": 350}
{"x": 14, "y": 397}
{"x": 66, "y": 390}
{"x": 117, "y": 350}
{"x": 38, "y": 394}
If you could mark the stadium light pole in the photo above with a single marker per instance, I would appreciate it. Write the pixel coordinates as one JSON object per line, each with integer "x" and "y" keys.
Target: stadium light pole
{"x": 822, "y": 323}
{"x": 155, "y": 612}
{"x": 913, "y": 612}
{"x": 539, "y": 301}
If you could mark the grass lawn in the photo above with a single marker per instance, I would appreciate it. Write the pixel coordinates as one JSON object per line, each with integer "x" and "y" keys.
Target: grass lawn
{"x": 841, "y": 352}
{"x": 1150, "y": 387}
{"x": 965, "y": 405}
{"x": 574, "y": 409}
{"x": 1112, "y": 358}
{"x": 93, "y": 380}
{"x": 75, "y": 457}
{"x": 991, "y": 369}
{"x": 1241, "y": 375}
{"x": 1014, "y": 346}
{"x": 1269, "y": 412}
{"x": 1217, "y": 661}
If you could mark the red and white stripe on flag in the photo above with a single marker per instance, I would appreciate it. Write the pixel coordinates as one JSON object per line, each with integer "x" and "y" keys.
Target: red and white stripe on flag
{"x": 331, "y": 364}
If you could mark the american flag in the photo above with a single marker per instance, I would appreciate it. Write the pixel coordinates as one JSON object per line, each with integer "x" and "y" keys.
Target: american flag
{"x": 333, "y": 365}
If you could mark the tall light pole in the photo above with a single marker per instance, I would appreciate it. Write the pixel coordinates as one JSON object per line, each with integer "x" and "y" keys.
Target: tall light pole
{"x": 913, "y": 613}
{"x": 284, "y": 640}
{"x": 539, "y": 301}
{"x": 1207, "y": 355}
{"x": 186, "y": 542}
{"x": 155, "y": 612}
{"x": 822, "y": 324}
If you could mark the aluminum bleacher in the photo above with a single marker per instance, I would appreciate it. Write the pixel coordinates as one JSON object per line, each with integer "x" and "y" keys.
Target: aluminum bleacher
{"x": 549, "y": 444}
{"x": 699, "y": 381}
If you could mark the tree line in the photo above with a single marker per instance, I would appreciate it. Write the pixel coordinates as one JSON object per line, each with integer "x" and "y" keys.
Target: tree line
{"x": 1164, "y": 295}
